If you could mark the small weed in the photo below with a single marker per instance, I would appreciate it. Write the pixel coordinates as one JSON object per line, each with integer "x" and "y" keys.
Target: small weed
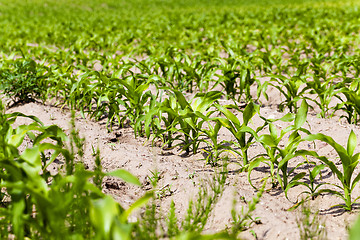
{"x": 112, "y": 146}
{"x": 311, "y": 226}
{"x": 24, "y": 80}
{"x": 164, "y": 191}
{"x": 243, "y": 221}
{"x": 155, "y": 177}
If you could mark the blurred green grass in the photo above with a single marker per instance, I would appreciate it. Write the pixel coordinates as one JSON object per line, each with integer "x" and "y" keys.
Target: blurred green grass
{"x": 63, "y": 22}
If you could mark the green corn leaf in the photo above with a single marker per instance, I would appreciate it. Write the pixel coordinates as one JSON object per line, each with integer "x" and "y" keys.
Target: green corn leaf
{"x": 250, "y": 110}
{"x": 202, "y": 116}
{"x": 229, "y": 115}
{"x": 351, "y": 144}
{"x": 267, "y": 140}
{"x": 353, "y": 98}
{"x": 354, "y": 233}
{"x": 205, "y": 100}
{"x": 55, "y": 154}
{"x": 17, "y": 216}
{"x": 140, "y": 89}
{"x": 181, "y": 99}
{"x": 121, "y": 231}
{"x": 253, "y": 164}
{"x": 334, "y": 192}
{"x": 148, "y": 118}
{"x": 273, "y": 131}
{"x": 124, "y": 175}
{"x": 169, "y": 110}
{"x": 102, "y": 214}
{"x": 344, "y": 157}
{"x": 12, "y": 117}
{"x": 32, "y": 156}
{"x": 316, "y": 170}
{"x": 355, "y": 181}
{"x": 20, "y": 133}
{"x": 190, "y": 122}
{"x": 53, "y": 132}
{"x": 246, "y": 129}
{"x": 289, "y": 117}
{"x": 285, "y": 160}
{"x": 298, "y": 176}
{"x": 225, "y": 123}
{"x": 300, "y": 117}
{"x": 294, "y": 181}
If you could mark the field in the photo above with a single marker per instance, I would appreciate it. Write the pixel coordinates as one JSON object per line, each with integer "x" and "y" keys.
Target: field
{"x": 166, "y": 119}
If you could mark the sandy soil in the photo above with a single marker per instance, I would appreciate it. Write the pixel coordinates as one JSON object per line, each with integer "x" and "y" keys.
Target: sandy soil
{"x": 181, "y": 176}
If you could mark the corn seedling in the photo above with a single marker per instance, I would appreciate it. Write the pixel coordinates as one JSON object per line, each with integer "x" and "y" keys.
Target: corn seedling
{"x": 349, "y": 161}
{"x": 278, "y": 157}
{"x": 240, "y": 130}
{"x": 291, "y": 88}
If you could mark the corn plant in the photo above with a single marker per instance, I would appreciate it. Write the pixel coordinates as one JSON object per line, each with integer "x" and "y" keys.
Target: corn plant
{"x": 181, "y": 72}
{"x": 135, "y": 98}
{"x": 291, "y": 88}
{"x": 278, "y": 157}
{"x": 244, "y": 135}
{"x": 108, "y": 97}
{"x": 325, "y": 91}
{"x": 81, "y": 91}
{"x": 211, "y": 133}
{"x": 237, "y": 78}
{"x": 162, "y": 112}
{"x": 181, "y": 116}
{"x": 270, "y": 59}
{"x": 351, "y": 106}
{"x": 60, "y": 83}
{"x": 313, "y": 188}
{"x": 201, "y": 104}
{"x": 349, "y": 161}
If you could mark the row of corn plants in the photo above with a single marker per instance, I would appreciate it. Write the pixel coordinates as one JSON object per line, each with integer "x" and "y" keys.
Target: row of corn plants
{"x": 324, "y": 84}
